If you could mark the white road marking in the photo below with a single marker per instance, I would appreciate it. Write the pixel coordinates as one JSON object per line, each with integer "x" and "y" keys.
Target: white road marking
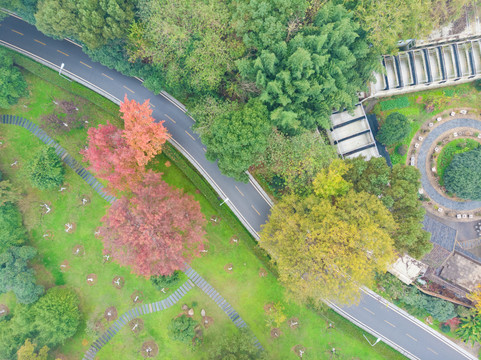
{"x": 370, "y": 311}
{"x": 411, "y": 337}
{"x": 434, "y": 352}
{"x": 389, "y": 323}
{"x": 132, "y": 91}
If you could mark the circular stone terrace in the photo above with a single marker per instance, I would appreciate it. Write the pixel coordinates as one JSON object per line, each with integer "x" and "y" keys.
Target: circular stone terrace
{"x": 452, "y": 124}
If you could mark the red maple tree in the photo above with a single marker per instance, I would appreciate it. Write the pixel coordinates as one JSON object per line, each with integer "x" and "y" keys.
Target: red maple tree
{"x": 145, "y": 136}
{"x": 156, "y": 230}
{"x": 111, "y": 158}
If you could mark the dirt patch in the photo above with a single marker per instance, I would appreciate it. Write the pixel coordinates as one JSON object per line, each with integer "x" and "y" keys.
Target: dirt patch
{"x": 46, "y": 208}
{"x": 118, "y": 282}
{"x": 137, "y": 297}
{"x": 78, "y": 250}
{"x": 293, "y": 323}
{"x": 70, "y": 227}
{"x": 299, "y": 350}
{"x": 110, "y": 313}
{"x": 168, "y": 164}
{"x": 234, "y": 240}
{"x": 149, "y": 349}
{"x": 4, "y": 311}
{"x": 419, "y": 100}
{"x": 275, "y": 333}
{"x": 207, "y": 321}
{"x": 214, "y": 219}
{"x": 84, "y": 200}
{"x": 269, "y": 308}
{"x": 136, "y": 325}
{"x": 64, "y": 188}
{"x": 262, "y": 272}
{"x": 91, "y": 279}
{"x": 48, "y": 235}
{"x": 229, "y": 268}
{"x": 64, "y": 266}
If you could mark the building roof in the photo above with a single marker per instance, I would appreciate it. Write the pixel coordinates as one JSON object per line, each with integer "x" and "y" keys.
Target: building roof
{"x": 407, "y": 269}
{"x": 462, "y": 271}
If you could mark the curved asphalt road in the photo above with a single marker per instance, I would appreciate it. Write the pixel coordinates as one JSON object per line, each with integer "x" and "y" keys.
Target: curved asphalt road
{"x": 248, "y": 202}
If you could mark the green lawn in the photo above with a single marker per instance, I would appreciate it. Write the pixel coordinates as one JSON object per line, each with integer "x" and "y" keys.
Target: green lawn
{"x": 447, "y": 153}
{"x": 422, "y": 106}
{"x": 244, "y": 289}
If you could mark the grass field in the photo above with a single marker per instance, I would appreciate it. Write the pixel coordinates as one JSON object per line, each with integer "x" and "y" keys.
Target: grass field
{"x": 245, "y": 290}
{"x": 422, "y": 106}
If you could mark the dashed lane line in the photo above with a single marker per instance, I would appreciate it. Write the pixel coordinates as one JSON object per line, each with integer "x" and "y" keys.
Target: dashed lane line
{"x": 17, "y": 32}
{"x": 239, "y": 190}
{"x": 369, "y": 311}
{"x": 205, "y": 150}
{"x": 193, "y": 138}
{"x": 132, "y": 91}
{"x": 61, "y": 52}
{"x": 412, "y": 337}
{"x": 108, "y": 77}
{"x": 434, "y": 352}
{"x": 258, "y": 213}
{"x": 168, "y": 117}
{"x": 389, "y": 323}
{"x": 42, "y": 43}
{"x": 84, "y": 64}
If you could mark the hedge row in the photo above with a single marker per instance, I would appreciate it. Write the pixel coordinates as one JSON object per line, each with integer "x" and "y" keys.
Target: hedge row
{"x": 396, "y": 103}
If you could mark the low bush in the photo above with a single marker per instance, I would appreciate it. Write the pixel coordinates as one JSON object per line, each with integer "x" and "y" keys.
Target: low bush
{"x": 396, "y": 103}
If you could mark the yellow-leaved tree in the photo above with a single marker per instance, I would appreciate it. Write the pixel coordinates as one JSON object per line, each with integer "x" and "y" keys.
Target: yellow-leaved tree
{"x": 330, "y": 243}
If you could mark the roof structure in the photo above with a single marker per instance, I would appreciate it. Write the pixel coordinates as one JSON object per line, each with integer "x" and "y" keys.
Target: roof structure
{"x": 407, "y": 269}
{"x": 462, "y": 271}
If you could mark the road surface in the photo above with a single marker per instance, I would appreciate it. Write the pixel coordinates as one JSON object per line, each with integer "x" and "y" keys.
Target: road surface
{"x": 248, "y": 202}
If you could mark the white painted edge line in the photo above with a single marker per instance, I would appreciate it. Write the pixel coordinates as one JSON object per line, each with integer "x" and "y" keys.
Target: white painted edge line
{"x": 173, "y": 101}
{"x": 260, "y": 190}
{"x": 371, "y": 331}
{"x": 420, "y": 324}
{"x": 11, "y": 13}
{"x": 73, "y": 42}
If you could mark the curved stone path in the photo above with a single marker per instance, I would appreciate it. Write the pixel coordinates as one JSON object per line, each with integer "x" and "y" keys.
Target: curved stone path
{"x": 422, "y": 161}
{"x": 194, "y": 278}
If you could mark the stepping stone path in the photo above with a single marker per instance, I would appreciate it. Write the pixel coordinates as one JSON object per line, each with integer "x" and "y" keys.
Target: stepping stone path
{"x": 61, "y": 152}
{"x": 194, "y": 278}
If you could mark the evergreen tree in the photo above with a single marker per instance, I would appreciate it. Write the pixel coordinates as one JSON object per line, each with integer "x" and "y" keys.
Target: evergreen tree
{"x": 463, "y": 176}
{"x": 12, "y": 83}
{"x": 395, "y": 129}
{"x": 45, "y": 169}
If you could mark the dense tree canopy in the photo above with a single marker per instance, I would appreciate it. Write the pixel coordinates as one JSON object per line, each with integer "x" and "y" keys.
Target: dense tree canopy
{"x": 291, "y": 163}
{"x": 12, "y": 83}
{"x": 394, "y": 129}
{"x": 328, "y": 244}
{"x": 189, "y": 40}
{"x": 238, "y": 346}
{"x": 16, "y": 276}
{"x": 12, "y": 231}
{"x": 92, "y": 22}
{"x": 46, "y": 170}
{"x": 28, "y": 352}
{"x": 463, "y": 176}
{"x": 320, "y": 69}
{"x": 182, "y": 328}
{"x": 238, "y": 138}
{"x": 155, "y": 231}
{"x": 398, "y": 189}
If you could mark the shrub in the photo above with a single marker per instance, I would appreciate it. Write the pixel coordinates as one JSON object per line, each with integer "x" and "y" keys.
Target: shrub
{"x": 402, "y": 150}
{"x": 463, "y": 176}
{"x": 477, "y": 85}
{"x": 395, "y": 129}
{"x": 445, "y": 328}
{"x": 396, "y": 103}
{"x": 169, "y": 281}
{"x": 182, "y": 328}
{"x": 45, "y": 169}
{"x": 13, "y": 84}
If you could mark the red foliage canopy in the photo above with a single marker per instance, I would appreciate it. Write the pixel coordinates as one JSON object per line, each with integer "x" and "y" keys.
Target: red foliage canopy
{"x": 111, "y": 158}
{"x": 155, "y": 231}
{"x": 142, "y": 133}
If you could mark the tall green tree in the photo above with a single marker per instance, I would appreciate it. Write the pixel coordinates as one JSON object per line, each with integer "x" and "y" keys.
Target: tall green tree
{"x": 16, "y": 276}
{"x": 295, "y": 160}
{"x": 237, "y": 139}
{"x": 12, "y": 83}
{"x": 320, "y": 69}
{"x": 28, "y": 352}
{"x": 56, "y": 316}
{"x": 46, "y": 170}
{"x": 394, "y": 129}
{"x": 238, "y": 346}
{"x": 329, "y": 243}
{"x": 264, "y": 23}
{"x": 463, "y": 176}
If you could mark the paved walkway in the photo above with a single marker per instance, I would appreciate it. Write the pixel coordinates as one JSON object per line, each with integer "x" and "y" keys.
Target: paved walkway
{"x": 61, "y": 152}
{"x": 194, "y": 277}
{"x": 422, "y": 160}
